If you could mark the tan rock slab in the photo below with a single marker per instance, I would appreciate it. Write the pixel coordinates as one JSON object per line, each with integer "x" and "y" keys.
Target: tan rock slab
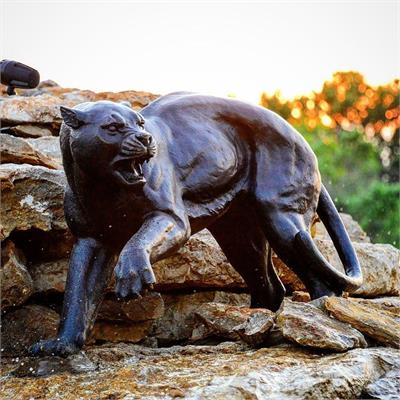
{"x": 31, "y": 131}
{"x": 306, "y": 325}
{"x": 18, "y": 151}
{"x": 372, "y": 319}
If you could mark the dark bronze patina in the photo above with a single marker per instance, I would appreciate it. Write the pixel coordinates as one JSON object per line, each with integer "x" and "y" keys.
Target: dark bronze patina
{"x": 139, "y": 184}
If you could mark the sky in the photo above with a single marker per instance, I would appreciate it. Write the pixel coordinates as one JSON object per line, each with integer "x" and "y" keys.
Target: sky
{"x": 220, "y": 48}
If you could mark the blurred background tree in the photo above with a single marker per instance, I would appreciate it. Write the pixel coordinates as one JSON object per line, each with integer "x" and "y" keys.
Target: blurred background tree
{"x": 354, "y": 130}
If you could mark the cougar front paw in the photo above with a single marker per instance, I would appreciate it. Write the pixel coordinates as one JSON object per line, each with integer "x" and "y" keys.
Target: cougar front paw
{"x": 133, "y": 274}
{"x": 53, "y": 347}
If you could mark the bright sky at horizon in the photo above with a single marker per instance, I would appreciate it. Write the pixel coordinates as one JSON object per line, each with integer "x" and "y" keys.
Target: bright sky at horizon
{"x": 218, "y": 48}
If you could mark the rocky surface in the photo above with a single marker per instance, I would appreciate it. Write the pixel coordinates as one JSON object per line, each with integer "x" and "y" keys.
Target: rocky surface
{"x": 225, "y": 371}
{"x": 328, "y": 348}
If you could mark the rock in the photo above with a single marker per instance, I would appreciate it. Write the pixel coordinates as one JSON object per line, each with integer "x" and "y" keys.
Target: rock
{"x": 256, "y": 329}
{"x": 199, "y": 264}
{"x": 144, "y": 308}
{"x": 48, "y": 145}
{"x": 380, "y": 266}
{"x": 16, "y": 283}
{"x": 49, "y": 276}
{"x": 46, "y": 366}
{"x": 356, "y": 233}
{"x": 31, "y": 131}
{"x": 110, "y": 331}
{"x": 302, "y": 297}
{"x": 306, "y": 325}
{"x": 19, "y": 151}
{"x": 374, "y": 320}
{"x": 41, "y": 109}
{"x": 232, "y": 322}
{"x": 42, "y": 106}
{"x": 226, "y": 371}
{"x": 178, "y": 321}
{"x": 24, "y": 327}
{"x": 387, "y": 387}
{"x": 32, "y": 197}
{"x": 379, "y": 262}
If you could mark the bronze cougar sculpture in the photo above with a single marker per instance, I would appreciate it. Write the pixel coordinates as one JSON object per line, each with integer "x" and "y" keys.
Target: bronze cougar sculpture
{"x": 139, "y": 184}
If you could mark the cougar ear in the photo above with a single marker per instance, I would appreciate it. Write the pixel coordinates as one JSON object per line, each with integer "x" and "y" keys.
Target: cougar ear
{"x": 73, "y": 118}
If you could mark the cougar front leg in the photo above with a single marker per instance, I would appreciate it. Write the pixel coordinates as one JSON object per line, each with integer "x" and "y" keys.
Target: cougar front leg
{"x": 160, "y": 235}
{"x": 89, "y": 271}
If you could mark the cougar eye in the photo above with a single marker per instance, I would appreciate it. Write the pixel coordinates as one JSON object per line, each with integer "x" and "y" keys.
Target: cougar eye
{"x": 141, "y": 123}
{"x": 114, "y": 127}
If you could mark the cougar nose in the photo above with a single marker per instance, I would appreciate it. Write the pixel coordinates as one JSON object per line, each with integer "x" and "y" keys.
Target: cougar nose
{"x": 144, "y": 138}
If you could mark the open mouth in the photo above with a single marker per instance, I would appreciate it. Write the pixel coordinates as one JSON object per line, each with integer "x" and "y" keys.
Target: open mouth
{"x": 130, "y": 170}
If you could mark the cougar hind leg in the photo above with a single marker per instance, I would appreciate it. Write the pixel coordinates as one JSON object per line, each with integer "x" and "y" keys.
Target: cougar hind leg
{"x": 242, "y": 239}
{"x": 281, "y": 229}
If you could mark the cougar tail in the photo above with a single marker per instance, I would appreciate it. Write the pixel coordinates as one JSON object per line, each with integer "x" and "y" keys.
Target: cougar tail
{"x": 352, "y": 279}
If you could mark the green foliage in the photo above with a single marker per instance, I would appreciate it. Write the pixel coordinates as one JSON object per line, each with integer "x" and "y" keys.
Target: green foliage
{"x": 377, "y": 209}
{"x": 350, "y": 169}
{"x": 354, "y": 130}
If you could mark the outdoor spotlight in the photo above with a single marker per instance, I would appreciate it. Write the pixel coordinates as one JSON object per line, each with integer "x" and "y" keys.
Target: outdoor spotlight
{"x": 17, "y": 75}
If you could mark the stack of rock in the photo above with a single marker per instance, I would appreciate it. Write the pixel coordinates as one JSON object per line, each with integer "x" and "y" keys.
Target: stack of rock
{"x": 199, "y": 298}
